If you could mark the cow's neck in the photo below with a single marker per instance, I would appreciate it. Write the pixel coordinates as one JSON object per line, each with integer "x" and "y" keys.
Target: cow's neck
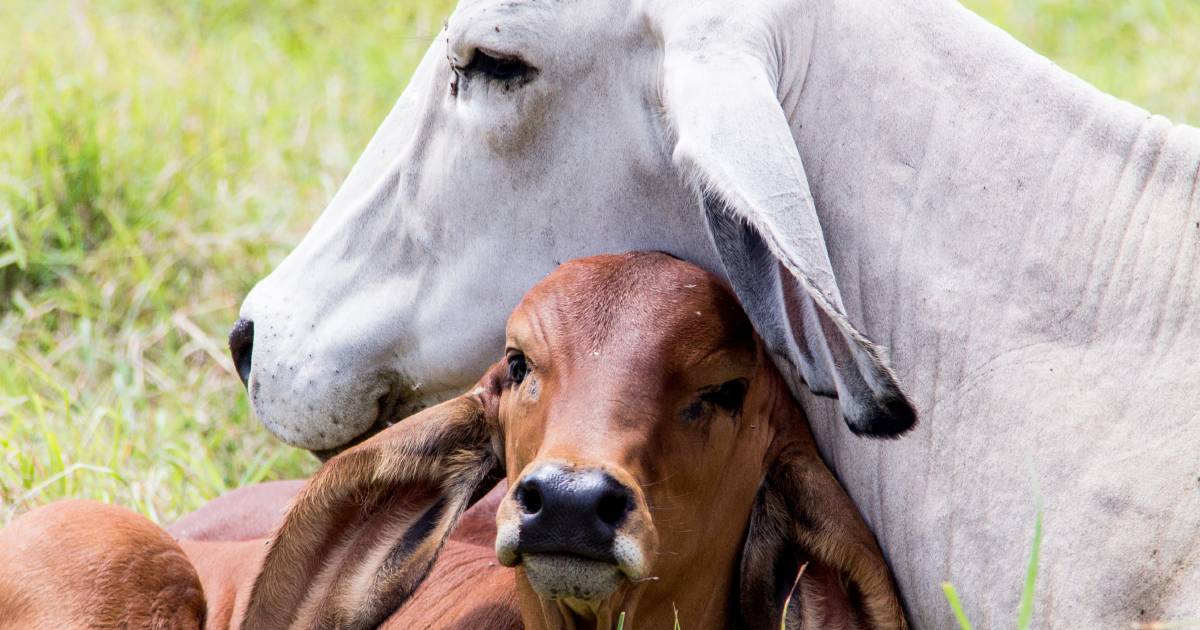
{"x": 1027, "y": 247}
{"x": 973, "y": 190}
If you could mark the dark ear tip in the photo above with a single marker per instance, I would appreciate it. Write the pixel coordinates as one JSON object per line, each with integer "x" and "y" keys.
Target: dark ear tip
{"x": 890, "y": 417}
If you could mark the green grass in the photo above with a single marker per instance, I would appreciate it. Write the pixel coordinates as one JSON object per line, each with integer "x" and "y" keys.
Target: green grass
{"x": 156, "y": 158}
{"x": 960, "y": 615}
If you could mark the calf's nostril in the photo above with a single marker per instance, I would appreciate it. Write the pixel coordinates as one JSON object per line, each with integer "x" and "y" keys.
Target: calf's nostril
{"x": 612, "y": 507}
{"x": 530, "y": 497}
{"x": 241, "y": 348}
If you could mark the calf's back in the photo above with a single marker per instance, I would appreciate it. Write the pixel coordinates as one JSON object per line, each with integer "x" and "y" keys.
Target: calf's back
{"x": 82, "y": 564}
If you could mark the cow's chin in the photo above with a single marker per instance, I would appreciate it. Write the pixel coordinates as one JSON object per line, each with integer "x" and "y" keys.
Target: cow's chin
{"x": 392, "y": 410}
{"x": 326, "y": 454}
{"x": 579, "y": 582}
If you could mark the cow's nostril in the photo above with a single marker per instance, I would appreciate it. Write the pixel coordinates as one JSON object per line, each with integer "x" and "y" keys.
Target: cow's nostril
{"x": 529, "y": 497}
{"x": 612, "y": 507}
{"x": 241, "y": 347}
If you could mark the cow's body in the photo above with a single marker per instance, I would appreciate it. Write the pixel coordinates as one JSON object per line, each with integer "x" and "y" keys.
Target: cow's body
{"x": 467, "y": 588}
{"x": 1027, "y": 248}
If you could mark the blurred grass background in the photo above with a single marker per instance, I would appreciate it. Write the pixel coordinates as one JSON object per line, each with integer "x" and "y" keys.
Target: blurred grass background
{"x": 158, "y": 157}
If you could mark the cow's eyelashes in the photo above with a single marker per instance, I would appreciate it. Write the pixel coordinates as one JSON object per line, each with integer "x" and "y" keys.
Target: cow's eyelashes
{"x": 728, "y": 395}
{"x": 498, "y": 68}
{"x": 518, "y": 368}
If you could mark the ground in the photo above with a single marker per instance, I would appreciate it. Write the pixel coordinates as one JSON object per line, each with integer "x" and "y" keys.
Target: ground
{"x": 158, "y": 158}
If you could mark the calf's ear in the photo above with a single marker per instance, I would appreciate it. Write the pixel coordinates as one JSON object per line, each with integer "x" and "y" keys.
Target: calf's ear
{"x": 809, "y": 560}
{"x": 734, "y": 144}
{"x": 364, "y": 532}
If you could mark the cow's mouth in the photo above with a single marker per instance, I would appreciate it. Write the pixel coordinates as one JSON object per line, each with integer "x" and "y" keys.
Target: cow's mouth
{"x": 392, "y": 407}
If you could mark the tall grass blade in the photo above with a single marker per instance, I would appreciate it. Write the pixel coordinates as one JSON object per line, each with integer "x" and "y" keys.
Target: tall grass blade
{"x": 956, "y": 606}
{"x": 1026, "y": 614}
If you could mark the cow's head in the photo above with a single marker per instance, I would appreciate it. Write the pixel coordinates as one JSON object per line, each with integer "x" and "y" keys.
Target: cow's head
{"x": 536, "y": 132}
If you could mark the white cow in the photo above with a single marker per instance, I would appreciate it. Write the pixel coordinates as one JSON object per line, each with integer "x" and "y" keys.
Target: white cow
{"x": 1026, "y": 246}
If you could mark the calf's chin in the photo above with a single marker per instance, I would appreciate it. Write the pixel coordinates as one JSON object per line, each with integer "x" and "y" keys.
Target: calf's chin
{"x": 561, "y": 576}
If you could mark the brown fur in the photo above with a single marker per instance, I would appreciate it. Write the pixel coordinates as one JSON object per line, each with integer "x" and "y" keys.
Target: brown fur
{"x": 226, "y": 569}
{"x": 247, "y": 513}
{"x": 466, "y": 589}
{"x": 253, "y": 512}
{"x": 82, "y": 564}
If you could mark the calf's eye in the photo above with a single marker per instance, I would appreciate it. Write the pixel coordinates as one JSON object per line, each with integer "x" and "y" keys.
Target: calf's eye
{"x": 518, "y": 368}
{"x": 728, "y": 395}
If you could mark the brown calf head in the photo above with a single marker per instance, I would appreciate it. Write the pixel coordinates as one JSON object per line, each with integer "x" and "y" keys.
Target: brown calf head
{"x": 656, "y": 462}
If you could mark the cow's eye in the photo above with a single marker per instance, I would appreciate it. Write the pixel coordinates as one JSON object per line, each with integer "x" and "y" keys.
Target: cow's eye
{"x": 728, "y": 395}
{"x": 499, "y": 67}
{"x": 518, "y": 368}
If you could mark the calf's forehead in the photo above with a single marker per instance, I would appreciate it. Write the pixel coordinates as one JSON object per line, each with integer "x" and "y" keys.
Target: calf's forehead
{"x": 665, "y": 313}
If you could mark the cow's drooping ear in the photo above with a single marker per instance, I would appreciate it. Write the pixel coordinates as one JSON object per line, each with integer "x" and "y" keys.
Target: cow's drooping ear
{"x": 733, "y": 143}
{"x": 364, "y": 532}
{"x": 803, "y": 520}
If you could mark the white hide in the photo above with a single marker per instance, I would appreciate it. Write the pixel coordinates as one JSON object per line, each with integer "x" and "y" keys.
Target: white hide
{"x": 1024, "y": 245}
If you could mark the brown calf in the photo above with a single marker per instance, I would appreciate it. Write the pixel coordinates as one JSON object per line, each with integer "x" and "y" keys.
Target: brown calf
{"x": 656, "y": 463}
